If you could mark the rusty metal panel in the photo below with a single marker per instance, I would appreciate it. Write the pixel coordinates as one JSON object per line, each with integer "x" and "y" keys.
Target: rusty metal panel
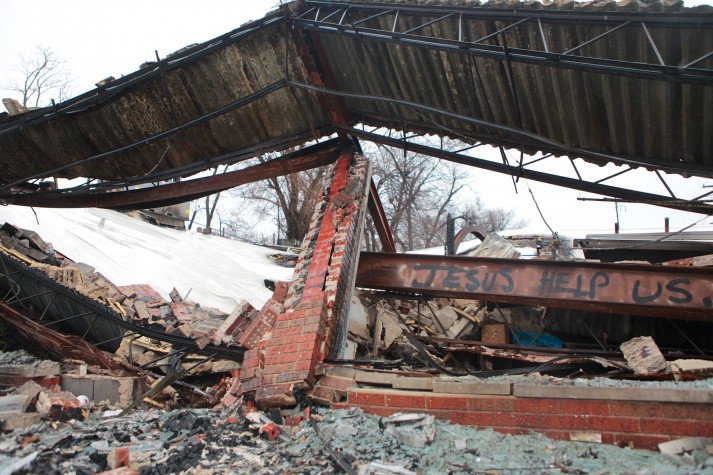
{"x": 656, "y": 291}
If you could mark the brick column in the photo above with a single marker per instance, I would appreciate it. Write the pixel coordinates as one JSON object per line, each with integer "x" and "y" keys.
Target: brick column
{"x": 292, "y": 335}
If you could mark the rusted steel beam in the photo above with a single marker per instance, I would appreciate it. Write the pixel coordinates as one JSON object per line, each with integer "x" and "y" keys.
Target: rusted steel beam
{"x": 176, "y": 193}
{"x": 311, "y": 52}
{"x": 378, "y": 216}
{"x": 656, "y": 291}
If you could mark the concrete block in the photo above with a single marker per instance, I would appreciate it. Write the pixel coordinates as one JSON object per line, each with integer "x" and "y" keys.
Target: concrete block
{"x": 614, "y": 394}
{"x": 118, "y": 391}
{"x": 78, "y": 385}
{"x": 413, "y": 383}
{"x": 341, "y": 371}
{"x": 14, "y": 402}
{"x": 11, "y": 420}
{"x": 471, "y": 387}
{"x": 44, "y": 368}
{"x": 372, "y": 377}
{"x": 30, "y": 389}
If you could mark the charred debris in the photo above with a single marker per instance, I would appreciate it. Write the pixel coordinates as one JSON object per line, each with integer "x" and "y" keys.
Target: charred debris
{"x": 80, "y": 354}
{"x": 134, "y": 330}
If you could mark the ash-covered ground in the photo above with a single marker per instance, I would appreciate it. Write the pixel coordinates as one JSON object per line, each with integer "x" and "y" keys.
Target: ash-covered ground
{"x": 201, "y": 441}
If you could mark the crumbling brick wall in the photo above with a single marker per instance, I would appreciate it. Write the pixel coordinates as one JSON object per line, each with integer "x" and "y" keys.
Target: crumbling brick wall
{"x": 305, "y": 322}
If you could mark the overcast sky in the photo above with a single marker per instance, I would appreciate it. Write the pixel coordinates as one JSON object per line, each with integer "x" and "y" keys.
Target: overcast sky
{"x": 100, "y": 39}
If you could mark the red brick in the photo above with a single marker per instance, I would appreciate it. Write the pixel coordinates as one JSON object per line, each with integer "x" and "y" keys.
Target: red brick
{"x": 379, "y": 411}
{"x": 613, "y": 424}
{"x": 406, "y": 400}
{"x": 531, "y": 421}
{"x": 304, "y": 365}
{"x": 317, "y": 328}
{"x": 278, "y": 368}
{"x": 502, "y": 419}
{"x": 272, "y": 350}
{"x": 336, "y": 382}
{"x": 537, "y": 405}
{"x": 283, "y": 332}
{"x": 669, "y": 427}
{"x": 593, "y": 408}
{"x": 635, "y": 409}
{"x": 293, "y": 315}
{"x": 327, "y": 395}
{"x": 491, "y": 403}
{"x": 367, "y": 398}
{"x": 294, "y": 376}
{"x": 564, "y": 422}
{"x": 446, "y": 402}
{"x": 687, "y": 411}
{"x": 704, "y": 429}
{"x": 481, "y": 419}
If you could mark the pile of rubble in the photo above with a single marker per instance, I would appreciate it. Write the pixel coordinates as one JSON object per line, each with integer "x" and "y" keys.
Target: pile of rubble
{"x": 462, "y": 336}
{"x": 34, "y": 389}
{"x": 201, "y": 441}
{"x": 139, "y": 304}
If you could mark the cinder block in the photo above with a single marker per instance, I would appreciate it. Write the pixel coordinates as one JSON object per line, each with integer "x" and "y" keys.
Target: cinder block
{"x": 118, "y": 391}
{"x": 78, "y": 385}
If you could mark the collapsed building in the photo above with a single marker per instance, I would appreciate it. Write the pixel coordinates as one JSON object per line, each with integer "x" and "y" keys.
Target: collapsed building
{"x": 628, "y": 83}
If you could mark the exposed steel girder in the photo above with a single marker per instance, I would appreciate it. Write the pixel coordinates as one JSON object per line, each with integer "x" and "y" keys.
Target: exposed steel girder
{"x": 175, "y": 193}
{"x": 311, "y": 52}
{"x": 655, "y": 291}
{"x": 692, "y": 206}
{"x": 378, "y": 216}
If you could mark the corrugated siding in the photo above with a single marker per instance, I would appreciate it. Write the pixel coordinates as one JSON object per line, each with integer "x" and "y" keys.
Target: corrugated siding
{"x": 655, "y": 121}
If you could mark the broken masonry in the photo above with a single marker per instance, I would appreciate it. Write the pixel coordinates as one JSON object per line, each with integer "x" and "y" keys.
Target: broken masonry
{"x": 305, "y": 321}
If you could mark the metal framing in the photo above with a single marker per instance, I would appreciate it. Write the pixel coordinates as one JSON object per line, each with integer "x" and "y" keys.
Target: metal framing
{"x": 66, "y": 301}
{"x": 524, "y": 172}
{"x": 356, "y": 15}
{"x": 358, "y": 19}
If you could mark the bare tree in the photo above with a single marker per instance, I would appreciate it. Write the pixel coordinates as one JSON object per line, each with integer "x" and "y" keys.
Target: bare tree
{"x": 417, "y": 193}
{"x": 490, "y": 220}
{"x": 210, "y": 205}
{"x": 44, "y": 77}
{"x": 293, "y": 196}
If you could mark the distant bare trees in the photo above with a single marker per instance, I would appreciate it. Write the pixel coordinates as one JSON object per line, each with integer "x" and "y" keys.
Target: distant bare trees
{"x": 490, "y": 220}
{"x": 294, "y": 196}
{"x": 418, "y": 192}
{"x": 44, "y": 76}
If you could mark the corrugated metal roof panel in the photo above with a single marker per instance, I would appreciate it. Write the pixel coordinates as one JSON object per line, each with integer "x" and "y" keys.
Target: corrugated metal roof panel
{"x": 655, "y": 122}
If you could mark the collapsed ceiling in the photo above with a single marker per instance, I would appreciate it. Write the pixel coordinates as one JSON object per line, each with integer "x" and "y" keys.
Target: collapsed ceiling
{"x": 627, "y": 83}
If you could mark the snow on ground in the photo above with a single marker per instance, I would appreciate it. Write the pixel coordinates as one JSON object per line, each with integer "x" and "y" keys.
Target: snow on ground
{"x": 219, "y": 272}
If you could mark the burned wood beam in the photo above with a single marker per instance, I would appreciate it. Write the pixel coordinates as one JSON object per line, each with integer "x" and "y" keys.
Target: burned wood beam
{"x": 655, "y": 291}
{"x": 176, "y": 193}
